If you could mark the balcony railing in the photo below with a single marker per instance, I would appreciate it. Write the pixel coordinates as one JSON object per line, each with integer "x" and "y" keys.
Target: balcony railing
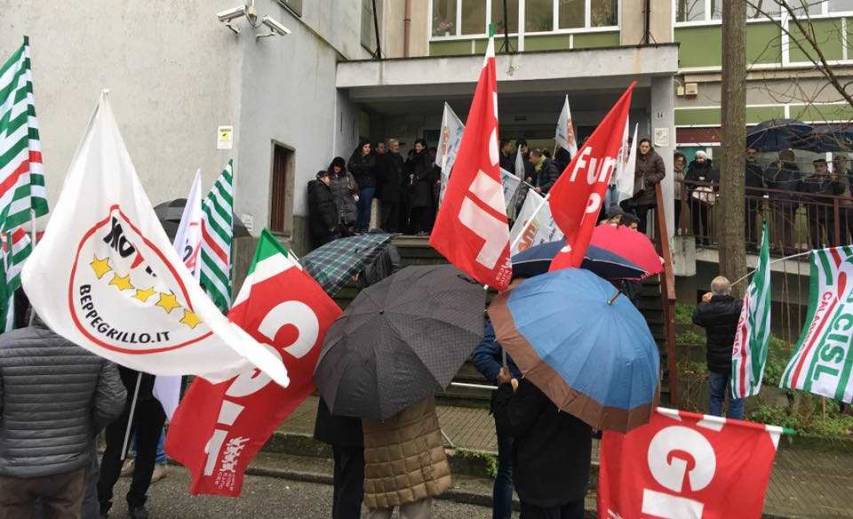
{"x": 797, "y": 221}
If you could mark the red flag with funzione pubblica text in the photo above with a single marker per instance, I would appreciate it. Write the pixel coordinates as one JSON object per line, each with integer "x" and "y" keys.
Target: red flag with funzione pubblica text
{"x": 684, "y": 464}
{"x": 218, "y": 428}
{"x": 471, "y": 228}
{"x": 578, "y": 195}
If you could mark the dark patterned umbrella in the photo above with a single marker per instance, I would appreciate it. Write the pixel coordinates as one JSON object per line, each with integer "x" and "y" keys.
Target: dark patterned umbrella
{"x": 334, "y": 264}
{"x": 400, "y": 341}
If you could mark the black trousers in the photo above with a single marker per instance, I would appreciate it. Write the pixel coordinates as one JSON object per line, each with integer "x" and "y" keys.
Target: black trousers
{"x": 391, "y": 216}
{"x": 573, "y": 510}
{"x": 349, "y": 482}
{"x": 148, "y": 420}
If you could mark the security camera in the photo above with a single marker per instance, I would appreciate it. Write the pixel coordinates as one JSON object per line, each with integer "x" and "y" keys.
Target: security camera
{"x": 230, "y": 14}
{"x": 275, "y": 26}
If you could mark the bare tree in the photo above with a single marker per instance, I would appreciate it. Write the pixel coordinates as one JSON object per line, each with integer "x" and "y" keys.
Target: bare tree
{"x": 802, "y": 35}
{"x": 733, "y": 162}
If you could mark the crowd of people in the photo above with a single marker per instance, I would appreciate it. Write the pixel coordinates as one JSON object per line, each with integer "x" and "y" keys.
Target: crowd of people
{"x": 340, "y": 198}
{"x": 779, "y": 191}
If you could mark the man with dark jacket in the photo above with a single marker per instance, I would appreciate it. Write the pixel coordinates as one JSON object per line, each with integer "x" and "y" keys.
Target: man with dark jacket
{"x": 392, "y": 179}
{"x": 551, "y": 171}
{"x": 488, "y": 359}
{"x": 550, "y": 451}
{"x": 147, "y": 424}
{"x": 718, "y": 313}
{"x": 820, "y": 214}
{"x": 54, "y": 399}
{"x": 322, "y": 210}
{"x": 345, "y": 436}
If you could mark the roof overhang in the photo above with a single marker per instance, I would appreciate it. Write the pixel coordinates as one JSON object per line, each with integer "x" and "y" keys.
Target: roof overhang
{"x": 610, "y": 68}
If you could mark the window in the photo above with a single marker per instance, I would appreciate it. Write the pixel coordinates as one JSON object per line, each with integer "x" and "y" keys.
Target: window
{"x": 295, "y": 6}
{"x": 761, "y": 8}
{"x": 511, "y": 15}
{"x": 474, "y": 16}
{"x": 538, "y": 15}
{"x": 691, "y": 11}
{"x": 282, "y": 165}
{"x": 443, "y": 17}
{"x": 838, "y": 6}
{"x": 604, "y": 13}
{"x": 368, "y": 28}
{"x": 572, "y": 14}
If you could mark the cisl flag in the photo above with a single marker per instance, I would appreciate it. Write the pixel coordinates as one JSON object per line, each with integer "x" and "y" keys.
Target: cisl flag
{"x": 684, "y": 464}
{"x": 218, "y": 429}
{"x": 577, "y": 196}
{"x": 105, "y": 276}
{"x": 471, "y": 228}
{"x": 823, "y": 363}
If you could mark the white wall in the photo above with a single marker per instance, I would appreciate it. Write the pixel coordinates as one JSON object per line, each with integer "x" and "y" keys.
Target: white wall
{"x": 171, "y": 72}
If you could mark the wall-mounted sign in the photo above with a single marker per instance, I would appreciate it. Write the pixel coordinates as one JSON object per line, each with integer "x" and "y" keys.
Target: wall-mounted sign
{"x": 224, "y": 137}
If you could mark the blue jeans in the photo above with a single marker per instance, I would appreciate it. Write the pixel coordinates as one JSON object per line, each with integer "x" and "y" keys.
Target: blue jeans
{"x": 718, "y": 387}
{"x": 502, "y": 492}
{"x": 365, "y": 200}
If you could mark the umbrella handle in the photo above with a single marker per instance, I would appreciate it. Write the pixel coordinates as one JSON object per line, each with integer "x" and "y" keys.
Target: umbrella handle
{"x": 613, "y": 299}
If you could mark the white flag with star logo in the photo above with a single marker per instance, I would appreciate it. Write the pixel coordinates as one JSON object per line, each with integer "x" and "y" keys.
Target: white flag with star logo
{"x": 106, "y": 277}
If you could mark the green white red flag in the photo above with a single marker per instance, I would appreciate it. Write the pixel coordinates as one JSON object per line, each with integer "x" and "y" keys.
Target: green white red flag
{"x": 22, "y": 191}
{"x": 749, "y": 353}
{"x": 217, "y": 235}
{"x": 823, "y": 361}
{"x": 218, "y": 428}
{"x": 16, "y": 249}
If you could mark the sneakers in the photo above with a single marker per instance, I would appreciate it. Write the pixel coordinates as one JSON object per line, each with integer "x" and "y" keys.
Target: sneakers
{"x": 138, "y": 513}
{"x": 160, "y": 472}
{"x": 127, "y": 468}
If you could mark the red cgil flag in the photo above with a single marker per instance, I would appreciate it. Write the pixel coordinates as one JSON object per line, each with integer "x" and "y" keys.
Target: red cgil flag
{"x": 218, "y": 428}
{"x": 471, "y": 228}
{"x": 578, "y": 195}
{"x": 684, "y": 464}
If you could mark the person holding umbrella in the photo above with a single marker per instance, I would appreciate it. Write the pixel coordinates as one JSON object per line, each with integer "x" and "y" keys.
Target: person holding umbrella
{"x": 488, "y": 358}
{"x": 551, "y": 450}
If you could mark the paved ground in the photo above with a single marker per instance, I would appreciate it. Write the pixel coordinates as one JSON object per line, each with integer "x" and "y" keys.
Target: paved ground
{"x": 804, "y": 483}
{"x": 263, "y": 497}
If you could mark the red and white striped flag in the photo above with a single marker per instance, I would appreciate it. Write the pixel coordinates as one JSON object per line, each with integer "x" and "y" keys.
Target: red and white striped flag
{"x": 749, "y": 353}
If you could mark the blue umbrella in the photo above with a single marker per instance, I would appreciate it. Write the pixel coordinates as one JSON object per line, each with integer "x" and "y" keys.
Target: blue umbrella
{"x": 777, "y": 134}
{"x": 537, "y": 260}
{"x": 583, "y": 344}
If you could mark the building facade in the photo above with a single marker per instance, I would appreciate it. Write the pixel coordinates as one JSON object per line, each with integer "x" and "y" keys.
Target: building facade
{"x": 383, "y": 68}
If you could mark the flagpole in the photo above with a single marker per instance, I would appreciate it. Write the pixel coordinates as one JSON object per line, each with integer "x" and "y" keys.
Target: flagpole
{"x": 751, "y": 272}
{"x": 130, "y": 417}
{"x": 33, "y": 239}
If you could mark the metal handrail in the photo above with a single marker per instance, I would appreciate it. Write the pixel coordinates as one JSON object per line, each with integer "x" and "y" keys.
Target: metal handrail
{"x": 667, "y": 290}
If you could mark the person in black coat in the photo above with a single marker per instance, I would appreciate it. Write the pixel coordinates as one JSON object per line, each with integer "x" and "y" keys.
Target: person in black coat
{"x": 507, "y": 158}
{"x": 391, "y": 181}
{"x": 551, "y": 450}
{"x": 703, "y": 182}
{"x": 718, "y": 313}
{"x": 488, "y": 359}
{"x": 362, "y": 164}
{"x": 820, "y": 214}
{"x": 322, "y": 210}
{"x": 421, "y": 175}
{"x": 783, "y": 176}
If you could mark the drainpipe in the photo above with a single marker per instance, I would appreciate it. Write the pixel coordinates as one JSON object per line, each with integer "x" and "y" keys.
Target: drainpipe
{"x": 378, "y": 54}
{"x": 407, "y": 21}
{"x": 647, "y": 20}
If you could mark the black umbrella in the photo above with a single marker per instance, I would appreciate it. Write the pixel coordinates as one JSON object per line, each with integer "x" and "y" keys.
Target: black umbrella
{"x": 777, "y": 134}
{"x": 400, "y": 341}
{"x": 169, "y": 213}
{"x": 826, "y": 138}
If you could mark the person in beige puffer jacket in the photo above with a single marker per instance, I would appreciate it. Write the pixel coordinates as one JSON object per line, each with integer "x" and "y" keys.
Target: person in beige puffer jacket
{"x": 404, "y": 463}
